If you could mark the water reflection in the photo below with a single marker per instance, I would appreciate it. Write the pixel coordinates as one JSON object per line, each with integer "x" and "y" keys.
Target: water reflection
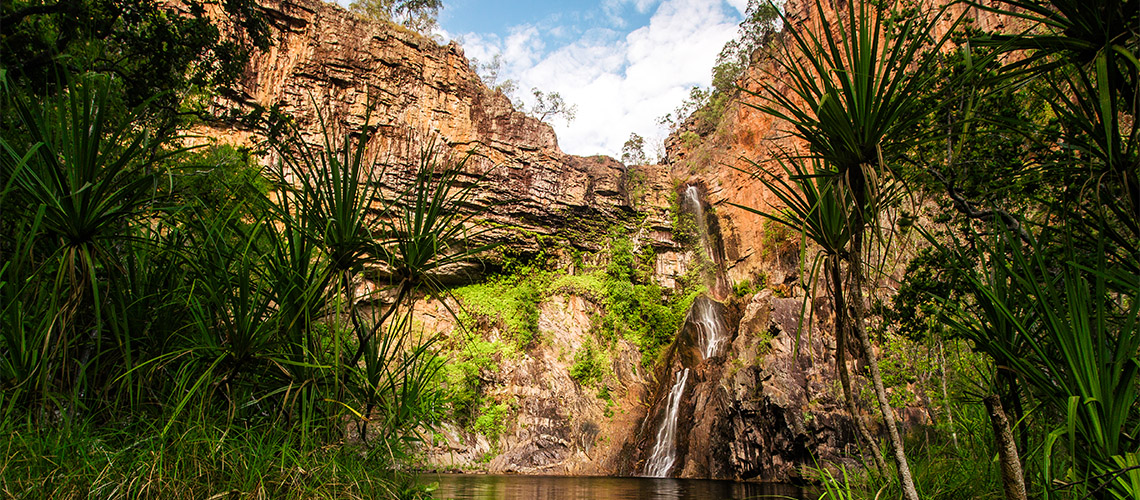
{"x": 489, "y": 487}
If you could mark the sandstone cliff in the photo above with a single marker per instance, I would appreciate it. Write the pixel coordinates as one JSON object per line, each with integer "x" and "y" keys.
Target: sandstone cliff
{"x": 328, "y": 62}
{"x": 760, "y": 409}
{"x": 772, "y": 406}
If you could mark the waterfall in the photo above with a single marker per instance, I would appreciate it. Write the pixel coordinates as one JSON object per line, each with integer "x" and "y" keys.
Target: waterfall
{"x": 709, "y": 324}
{"x": 708, "y": 255}
{"x": 706, "y": 323}
{"x": 693, "y": 197}
{"x": 665, "y": 450}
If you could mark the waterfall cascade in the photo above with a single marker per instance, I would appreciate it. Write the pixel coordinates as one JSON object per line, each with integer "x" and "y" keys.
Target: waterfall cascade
{"x": 708, "y": 324}
{"x": 693, "y": 198}
{"x": 665, "y": 450}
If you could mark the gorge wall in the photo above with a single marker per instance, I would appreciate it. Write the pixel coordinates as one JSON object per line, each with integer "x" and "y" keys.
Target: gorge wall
{"x": 327, "y": 62}
{"x": 759, "y": 407}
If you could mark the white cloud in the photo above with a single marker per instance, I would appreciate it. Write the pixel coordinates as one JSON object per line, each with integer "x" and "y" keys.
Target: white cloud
{"x": 620, "y": 83}
{"x": 613, "y": 9}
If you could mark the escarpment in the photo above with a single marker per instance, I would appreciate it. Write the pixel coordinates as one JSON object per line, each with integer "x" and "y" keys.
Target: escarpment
{"x": 571, "y": 398}
{"x": 328, "y": 64}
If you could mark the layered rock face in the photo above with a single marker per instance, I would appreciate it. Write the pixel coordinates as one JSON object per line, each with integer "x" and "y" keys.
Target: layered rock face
{"x": 556, "y": 425}
{"x": 326, "y": 63}
{"x": 744, "y": 137}
{"x": 759, "y": 408}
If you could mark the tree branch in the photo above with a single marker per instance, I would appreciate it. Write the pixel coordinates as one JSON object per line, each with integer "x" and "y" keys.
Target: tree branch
{"x": 32, "y": 10}
{"x": 965, "y": 207}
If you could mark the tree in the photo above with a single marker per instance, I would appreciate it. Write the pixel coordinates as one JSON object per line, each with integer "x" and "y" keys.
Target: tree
{"x": 160, "y": 54}
{"x": 753, "y": 33}
{"x": 491, "y": 75}
{"x": 633, "y": 151}
{"x": 419, "y": 15}
{"x": 855, "y": 100}
{"x": 550, "y": 105}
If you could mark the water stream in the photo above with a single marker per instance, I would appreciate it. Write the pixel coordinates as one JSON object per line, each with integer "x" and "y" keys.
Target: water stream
{"x": 710, "y": 326}
{"x": 711, "y": 332}
{"x": 665, "y": 449}
{"x": 693, "y": 198}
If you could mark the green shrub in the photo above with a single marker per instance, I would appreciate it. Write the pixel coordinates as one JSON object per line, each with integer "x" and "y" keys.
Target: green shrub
{"x": 591, "y": 285}
{"x": 492, "y": 419}
{"x": 684, "y": 224}
{"x": 777, "y": 239}
{"x": 463, "y": 375}
{"x": 743, "y": 288}
{"x": 690, "y": 139}
{"x": 589, "y": 364}
{"x": 508, "y": 302}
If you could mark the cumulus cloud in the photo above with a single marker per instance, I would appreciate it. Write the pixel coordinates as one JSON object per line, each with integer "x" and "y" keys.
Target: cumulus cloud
{"x": 614, "y": 9}
{"x": 621, "y": 82}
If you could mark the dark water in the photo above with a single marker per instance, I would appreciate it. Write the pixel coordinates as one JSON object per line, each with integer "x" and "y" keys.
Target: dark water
{"x": 489, "y": 487}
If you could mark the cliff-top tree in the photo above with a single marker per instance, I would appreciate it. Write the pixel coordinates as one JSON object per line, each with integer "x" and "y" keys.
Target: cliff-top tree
{"x": 549, "y": 105}
{"x": 419, "y": 15}
{"x": 633, "y": 151}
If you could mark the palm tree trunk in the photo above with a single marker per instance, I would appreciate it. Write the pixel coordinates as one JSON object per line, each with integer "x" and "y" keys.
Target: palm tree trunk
{"x": 946, "y": 394}
{"x": 856, "y": 263}
{"x": 1012, "y": 477}
{"x": 841, "y": 366}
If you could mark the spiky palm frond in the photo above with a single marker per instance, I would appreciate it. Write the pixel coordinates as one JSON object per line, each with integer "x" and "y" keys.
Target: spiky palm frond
{"x": 814, "y": 203}
{"x": 855, "y": 89}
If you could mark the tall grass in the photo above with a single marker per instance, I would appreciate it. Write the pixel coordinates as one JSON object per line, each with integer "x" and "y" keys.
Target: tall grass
{"x": 200, "y": 461}
{"x": 941, "y": 470}
{"x": 185, "y": 346}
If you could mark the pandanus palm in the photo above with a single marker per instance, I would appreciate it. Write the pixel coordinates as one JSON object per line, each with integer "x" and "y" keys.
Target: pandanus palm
{"x": 1075, "y": 322}
{"x": 335, "y": 202}
{"x": 855, "y": 98}
{"x": 1070, "y": 332}
{"x": 1087, "y": 54}
{"x": 817, "y": 206}
{"x": 77, "y": 178}
{"x": 327, "y": 195}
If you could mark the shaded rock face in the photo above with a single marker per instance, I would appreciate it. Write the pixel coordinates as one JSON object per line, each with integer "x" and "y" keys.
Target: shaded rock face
{"x": 763, "y": 409}
{"x": 785, "y": 413}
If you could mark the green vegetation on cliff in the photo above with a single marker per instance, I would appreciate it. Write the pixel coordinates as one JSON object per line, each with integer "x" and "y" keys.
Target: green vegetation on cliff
{"x": 632, "y": 305}
{"x": 498, "y": 320}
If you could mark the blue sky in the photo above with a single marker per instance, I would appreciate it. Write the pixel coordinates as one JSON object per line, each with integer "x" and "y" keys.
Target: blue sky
{"x": 623, "y": 63}
{"x": 483, "y": 16}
